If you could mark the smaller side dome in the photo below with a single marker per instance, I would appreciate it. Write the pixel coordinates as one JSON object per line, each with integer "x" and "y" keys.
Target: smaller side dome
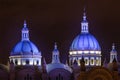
{"x": 56, "y": 64}
{"x": 25, "y": 52}
{"x": 55, "y": 55}
{"x": 113, "y": 54}
{"x": 25, "y": 48}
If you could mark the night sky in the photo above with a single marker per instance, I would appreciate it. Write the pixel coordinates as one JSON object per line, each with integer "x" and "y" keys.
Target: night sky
{"x": 58, "y": 21}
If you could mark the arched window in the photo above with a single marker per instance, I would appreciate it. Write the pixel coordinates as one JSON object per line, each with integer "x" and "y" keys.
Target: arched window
{"x": 27, "y": 61}
{"x": 92, "y": 61}
{"x": 16, "y": 61}
{"x": 97, "y": 61}
{"x": 37, "y": 62}
{"x": 86, "y": 61}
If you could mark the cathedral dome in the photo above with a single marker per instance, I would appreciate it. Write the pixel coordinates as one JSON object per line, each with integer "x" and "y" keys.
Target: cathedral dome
{"x": 25, "y": 52}
{"x": 85, "y": 41}
{"x": 85, "y": 45}
{"x": 25, "y": 48}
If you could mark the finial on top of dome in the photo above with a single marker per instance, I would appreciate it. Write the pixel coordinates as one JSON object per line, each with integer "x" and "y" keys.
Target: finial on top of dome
{"x": 113, "y": 46}
{"x": 25, "y": 24}
{"x": 55, "y": 57}
{"x": 55, "y": 50}
{"x": 84, "y": 23}
{"x": 25, "y": 31}
{"x": 55, "y": 46}
{"x": 84, "y": 14}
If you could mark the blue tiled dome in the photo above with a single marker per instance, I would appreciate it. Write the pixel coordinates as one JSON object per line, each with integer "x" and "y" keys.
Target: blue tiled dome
{"x": 25, "y": 52}
{"x": 85, "y": 41}
{"x": 25, "y": 48}
{"x": 85, "y": 45}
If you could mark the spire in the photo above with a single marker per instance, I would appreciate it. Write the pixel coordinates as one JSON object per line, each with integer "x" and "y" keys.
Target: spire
{"x": 25, "y": 24}
{"x": 25, "y": 32}
{"x": 84, "y": 15}
{"x": 55, "y": 55}
{"x": 113, "y": 49}
{"x": 84, "y": 23}
{"x": 113, "y": 53}
{"x": 55, "y": 46}
{"x": 113, "y": 46}
{"x": 55, "y": 51}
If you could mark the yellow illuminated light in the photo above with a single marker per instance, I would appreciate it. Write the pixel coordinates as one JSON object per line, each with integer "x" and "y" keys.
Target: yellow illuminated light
{"x": 92, "y": 61}
{"x": 79, "y": 62}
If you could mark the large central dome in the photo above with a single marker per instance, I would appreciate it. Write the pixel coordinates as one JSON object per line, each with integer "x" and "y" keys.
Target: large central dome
{"x": 85, "y": 45}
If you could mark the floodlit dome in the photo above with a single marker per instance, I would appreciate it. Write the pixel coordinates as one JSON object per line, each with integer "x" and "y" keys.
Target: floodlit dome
{"x": 25, "y": 48}
{"x": 85, "y": 45}
{"x": 85, "y": 41}
{"x": 25, "y": 52}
